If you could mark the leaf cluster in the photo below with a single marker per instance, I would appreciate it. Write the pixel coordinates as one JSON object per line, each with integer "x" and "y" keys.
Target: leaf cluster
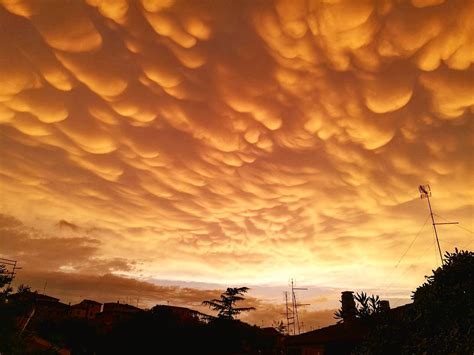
{"x": 365, "y": 306}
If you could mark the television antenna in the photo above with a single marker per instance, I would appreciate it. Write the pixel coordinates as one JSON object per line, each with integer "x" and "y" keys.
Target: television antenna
{"x": 292, "y": 318}
{"x": 425, "y": 193}
{"x": 11, "y": 271}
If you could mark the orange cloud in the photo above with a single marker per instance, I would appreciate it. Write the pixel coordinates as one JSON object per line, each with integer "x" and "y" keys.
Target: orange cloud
{"x": 237, "y": 142}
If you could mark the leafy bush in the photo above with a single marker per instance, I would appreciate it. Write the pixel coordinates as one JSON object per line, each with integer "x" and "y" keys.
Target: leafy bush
{"x": 441, "y": 318}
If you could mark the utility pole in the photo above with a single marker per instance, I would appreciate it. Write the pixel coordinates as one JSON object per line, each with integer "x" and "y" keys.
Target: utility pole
{"x": 425, "y": 192}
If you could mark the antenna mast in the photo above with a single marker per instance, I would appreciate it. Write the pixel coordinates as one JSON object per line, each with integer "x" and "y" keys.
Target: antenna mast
{"x": 292, "y": 310}
{"x": 11, "y": 269}
{"x": 425, "y": 192}
{"x": 289, "y": 314}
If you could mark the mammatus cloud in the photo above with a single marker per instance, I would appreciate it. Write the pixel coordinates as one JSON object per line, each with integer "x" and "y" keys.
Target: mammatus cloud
{"x": 237, "y": 142}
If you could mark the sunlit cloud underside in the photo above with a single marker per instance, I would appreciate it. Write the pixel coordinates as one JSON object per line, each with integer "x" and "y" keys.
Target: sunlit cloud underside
{"x": 235, "y": 141}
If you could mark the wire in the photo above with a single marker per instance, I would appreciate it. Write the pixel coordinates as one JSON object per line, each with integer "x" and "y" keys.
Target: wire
{"x": 413, "y": 242}
{"x": 461, "y": 227}
{"x": 405, "y": 253}
{"x": 457, "y": 225}
{"x": 429, "y": 247}
{"x": 433, "y": 243}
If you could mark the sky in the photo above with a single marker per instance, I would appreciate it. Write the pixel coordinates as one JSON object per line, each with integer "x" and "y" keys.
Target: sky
{"x": 164, "y": 150}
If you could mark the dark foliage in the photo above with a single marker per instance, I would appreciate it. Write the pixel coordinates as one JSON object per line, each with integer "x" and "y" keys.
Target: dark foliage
{"x": 5, "y": 278}
{"x": 365, "y": 307}
{"x": 77, "y": 334}
{"x": 441, "y": 318}
{"x": 280, "y": 327}
{"x": 226, "y": 304}
{"x": 10, "y": 340}
{"x": 168, "y": 333}
{"x": 157, "y": 331}
{"x": 23, "y": 288}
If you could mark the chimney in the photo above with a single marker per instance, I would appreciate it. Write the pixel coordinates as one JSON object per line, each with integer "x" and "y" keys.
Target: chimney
{"x": 348, "y": 306}
{"x": 384, "y": 306}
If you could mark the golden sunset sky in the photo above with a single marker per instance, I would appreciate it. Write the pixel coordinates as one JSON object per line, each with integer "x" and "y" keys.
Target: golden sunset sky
{"x": 166, "y": 149}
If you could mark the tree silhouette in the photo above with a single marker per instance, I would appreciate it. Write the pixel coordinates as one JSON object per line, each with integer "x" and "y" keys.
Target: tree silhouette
{"x": 23, "y": 288}
{"x": 225, "y": 306}
{"x": 279, "y": 326}
{"x": 5, "y": 277}
{"x": 365, "y": 307}
{"x": 368, "y": 305}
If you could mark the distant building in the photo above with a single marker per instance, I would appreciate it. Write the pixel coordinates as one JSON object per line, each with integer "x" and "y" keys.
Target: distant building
{"x": 86, "y": 309}
{"x": 114, "y": 313}
{"x": 336, "y": 339}
{"x": 28, "y": 296}
{"x": 51, "y": 310}
{"x": 121, "y": 308}
{"x": 185, "y": 315}
{"x": 42, "y": 306}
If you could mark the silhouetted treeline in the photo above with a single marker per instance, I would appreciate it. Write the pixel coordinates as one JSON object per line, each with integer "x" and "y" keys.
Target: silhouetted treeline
{"x": 219, "y": 336}
{"x": 157, "y": 331}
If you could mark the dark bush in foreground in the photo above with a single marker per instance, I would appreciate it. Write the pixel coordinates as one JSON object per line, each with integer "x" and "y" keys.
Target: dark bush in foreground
{"x": 441, "y": 319}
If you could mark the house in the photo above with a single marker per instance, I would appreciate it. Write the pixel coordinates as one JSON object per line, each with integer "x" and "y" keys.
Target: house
{"x": 28, "y": 296}
{"x": 86, "y": 309}
{"x": 114, "y": 313}
{"x": 51, "y": 310}
{"x": 43, "y": 306}
{"x": 341, "y": 338}
{"x": 185, "y": 315}
{"x": 120, "y": 308}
